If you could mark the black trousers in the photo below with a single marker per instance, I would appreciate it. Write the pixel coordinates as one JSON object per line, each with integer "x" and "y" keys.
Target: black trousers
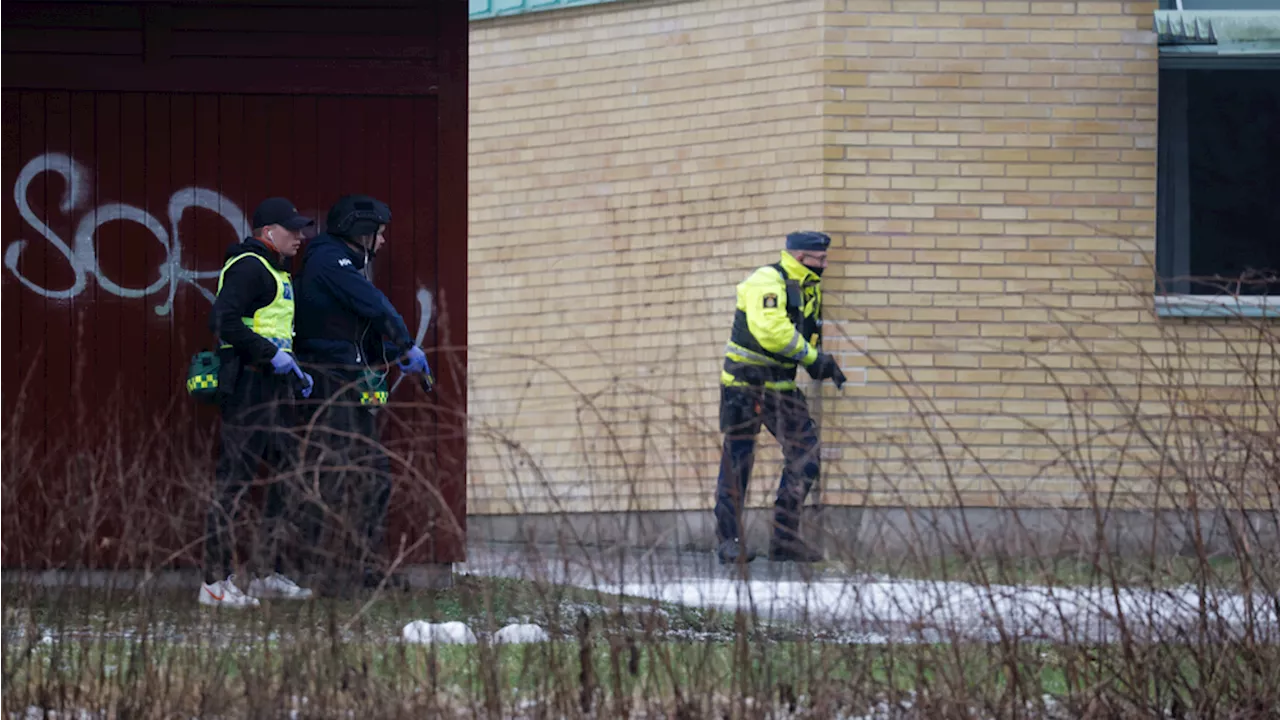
{"x": 349, "y": 475}
{"x": 257, "y": 428}
{"x": 786, "y": 414}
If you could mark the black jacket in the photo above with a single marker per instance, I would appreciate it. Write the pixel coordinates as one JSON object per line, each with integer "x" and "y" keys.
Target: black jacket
{"x": 246, "y": 288}
{"x": 341, "y": 317}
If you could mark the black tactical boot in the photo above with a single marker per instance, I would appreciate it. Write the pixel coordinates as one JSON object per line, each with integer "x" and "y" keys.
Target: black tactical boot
{"x": 793, "y": 551}
{"x": 374, "y": 577}
{"x": 731, "y": 552}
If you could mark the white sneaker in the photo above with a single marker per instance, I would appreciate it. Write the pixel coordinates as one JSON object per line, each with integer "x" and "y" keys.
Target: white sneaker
{"x": 278, "y": 586}
{"x": 224, "y": 593}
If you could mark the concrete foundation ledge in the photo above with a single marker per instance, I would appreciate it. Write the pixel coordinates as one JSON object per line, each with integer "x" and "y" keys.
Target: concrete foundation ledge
{"x": 904, "y": 532}
{"x": 115, "y": 579}
{"x": 431, "y": 577}
{"x": 438, "y": 576}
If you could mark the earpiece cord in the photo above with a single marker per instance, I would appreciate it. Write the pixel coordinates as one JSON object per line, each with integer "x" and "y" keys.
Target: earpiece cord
{"x": 364, "y": 334}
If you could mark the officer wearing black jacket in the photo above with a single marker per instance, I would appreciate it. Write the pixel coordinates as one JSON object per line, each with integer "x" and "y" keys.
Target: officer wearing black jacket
{"x": 253, "y": 318}
{"x": 348, "y": 335}
{"x": 777, "y": 327}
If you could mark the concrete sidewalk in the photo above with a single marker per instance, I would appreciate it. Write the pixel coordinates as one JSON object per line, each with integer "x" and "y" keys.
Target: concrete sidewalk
{"x": 874, "y": 609}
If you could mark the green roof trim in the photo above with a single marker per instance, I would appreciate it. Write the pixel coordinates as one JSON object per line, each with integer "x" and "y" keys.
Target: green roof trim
{"x": 485, "y": 9}
{"x": 1221, "y": 31}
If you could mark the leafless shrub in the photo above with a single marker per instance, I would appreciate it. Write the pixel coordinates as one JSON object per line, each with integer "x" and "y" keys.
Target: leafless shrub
{"x": 1116, "y": 611}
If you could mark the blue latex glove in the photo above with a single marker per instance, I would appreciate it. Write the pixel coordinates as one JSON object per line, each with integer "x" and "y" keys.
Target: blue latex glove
{"x": 415, "y": 361}
{"x": 308, "y": 384}
{"x": 283, "y": 362}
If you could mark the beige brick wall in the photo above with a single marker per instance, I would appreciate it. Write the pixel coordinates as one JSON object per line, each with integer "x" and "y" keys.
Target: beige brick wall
{"x": 991, "y": 174}
{"x": 987, "y": 170}
{"x": 972, "y": 143}
{"x": 628, "y": 163}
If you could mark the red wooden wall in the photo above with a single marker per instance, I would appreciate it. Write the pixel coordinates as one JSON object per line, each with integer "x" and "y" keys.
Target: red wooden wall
{"x": 138, "y": 137}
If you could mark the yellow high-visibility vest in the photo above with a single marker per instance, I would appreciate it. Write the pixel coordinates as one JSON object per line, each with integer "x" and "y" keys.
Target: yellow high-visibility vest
{"x": 273, "y": 321}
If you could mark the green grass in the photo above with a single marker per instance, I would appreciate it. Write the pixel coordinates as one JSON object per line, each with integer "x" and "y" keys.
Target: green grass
{"x": 161, "y": 655}
{"x": 484, "y": 604}
{"x": 622, "y": 669}
{"x": 199, "y": 677}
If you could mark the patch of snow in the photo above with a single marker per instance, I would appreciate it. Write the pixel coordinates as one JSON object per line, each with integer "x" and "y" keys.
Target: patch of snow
{"x": 967, "y": 609}
{"x": 522, "y": 633}
{"x": 449, "y": 633}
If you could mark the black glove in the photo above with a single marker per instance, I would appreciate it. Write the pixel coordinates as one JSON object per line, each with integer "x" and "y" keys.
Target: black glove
{"x": 826, "y": 368}
{"x": 823, "y": 368}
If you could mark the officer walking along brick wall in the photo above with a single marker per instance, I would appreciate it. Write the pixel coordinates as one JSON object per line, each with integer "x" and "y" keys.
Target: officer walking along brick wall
{"x": 258, "y": 381}
{"x": 777, "y": 326}
{"x": 348, "y": 336}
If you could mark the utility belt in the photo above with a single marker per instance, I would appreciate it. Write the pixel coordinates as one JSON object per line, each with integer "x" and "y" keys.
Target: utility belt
{"x": 366, "y": 384}
{"x": 758, "y": 374}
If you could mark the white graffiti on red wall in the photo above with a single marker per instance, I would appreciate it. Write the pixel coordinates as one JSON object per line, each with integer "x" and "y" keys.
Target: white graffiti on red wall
{"x": 82, "y": 254}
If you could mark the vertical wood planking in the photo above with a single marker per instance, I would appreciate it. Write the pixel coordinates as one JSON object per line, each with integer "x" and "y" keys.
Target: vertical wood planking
{"x": 280, "y": 146}
{"x": 451, "y": 266}
{"x": 420, "y": 513}
{"x": 59, "y": 318}
{"x": 157, "y": 378}
{"x": 88, "y": 493}
{"x": 255, "y": 185}
{"x": 140, "y": 137}
{"x": 212, "y": 235}
{"x": 33, "y": 262}
{"x": 351, "y": 148}
{"x": 303, "y": 129}
{"x": 187, "y": 302}
{"x": 189, "y": 312}
{"x": 86, "y": 373}
{"x": 330, "y": 184}
{"x": 209, "y": 231}
{"x": 12, "y": 517}
{"x": 12, "y": 294}
{"x": 111, "y": 313}
{"x": 140, "y": 253}
{"x": 400, "y": 276}
{"x": 232, "y": 163}
{"x": 375, "y": 167}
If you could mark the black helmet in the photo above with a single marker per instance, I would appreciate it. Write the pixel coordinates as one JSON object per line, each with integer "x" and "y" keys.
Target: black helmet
{"x": 356, "y": 216}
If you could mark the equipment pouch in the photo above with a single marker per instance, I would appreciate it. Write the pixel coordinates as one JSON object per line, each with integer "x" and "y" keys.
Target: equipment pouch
{"x": 373, "y": 388}
{"x": 203, "y": 377}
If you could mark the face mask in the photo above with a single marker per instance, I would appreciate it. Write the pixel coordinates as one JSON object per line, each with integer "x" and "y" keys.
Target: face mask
{"x": 815, "y": 270}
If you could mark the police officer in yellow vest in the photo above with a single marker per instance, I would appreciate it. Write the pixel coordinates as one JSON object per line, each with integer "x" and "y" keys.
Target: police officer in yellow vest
{"x": 253, "y": 319}
{"x": 777, "y": 327}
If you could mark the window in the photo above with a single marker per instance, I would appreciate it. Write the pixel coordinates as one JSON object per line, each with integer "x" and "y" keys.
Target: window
{"x": 1218, "y": 193}
{"x": 1218, "y": 160}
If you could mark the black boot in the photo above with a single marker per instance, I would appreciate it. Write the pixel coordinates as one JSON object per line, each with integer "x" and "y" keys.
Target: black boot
{"x": 793, "y": 550}
{"x": 374, "y": 577}
{"x": 732, "y": 552}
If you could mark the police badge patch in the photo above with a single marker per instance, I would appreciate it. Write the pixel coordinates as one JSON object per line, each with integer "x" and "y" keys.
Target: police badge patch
{"x": 771, "y": 300}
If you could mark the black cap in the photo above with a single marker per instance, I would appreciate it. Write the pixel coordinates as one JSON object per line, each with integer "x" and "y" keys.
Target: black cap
{"x": 279, "y": 211}
{"x": 808, "y": 240}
